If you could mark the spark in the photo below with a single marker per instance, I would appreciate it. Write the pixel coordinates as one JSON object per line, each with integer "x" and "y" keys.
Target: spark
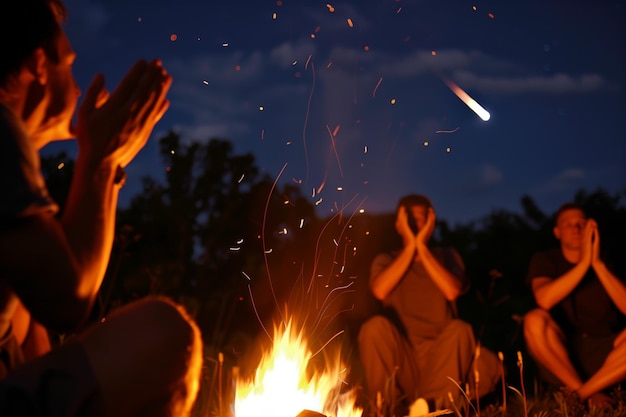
{"x": 335, "y": 242}
{"x": 365, "y": 149}
{"x": 235, "y": 248}
{"x": 393, "y": 101}
{"x": 261, "y": 108}
{"x": 225, "y": 45}
{"x": 332, "y": 140}
{"x": 465, "y": 98}
{"x": 362, "y": 211}
{"x": 339, "y": 188}
{"x": 286, "y": 202}
{"x": 447, "y": 131}
{"x": 173, "y": 37}
{"x": 283, "y": 232}
{"x": 380, "y": 80}
{"x": 448, "y": 149}
{"x": 433, "y": 53}
{"x": 425, "y": 143}
{"x": 258, "y": 317}
{"x": 350, "y": 23}
{"x": 240, "y": 241}
{"x": 241, "y": 178}
{"x": 336, "y": 131}
{"x": 61, "y": 165}
{"x": 262, "y": 134}
{"x": 330, "y": 7}
{"x": 205, "y": 82}
{"x": 296, "y": 181}
{"x": 274, "y": 16}
{"x": 246, "y": 275}
{"x": 318, "y": 202}
{"x": 491, "y": 16}
{"x": 306, "y": 117}
{"x": 269, "y": 251}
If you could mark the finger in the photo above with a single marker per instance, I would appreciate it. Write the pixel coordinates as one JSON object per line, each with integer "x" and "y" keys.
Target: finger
{"x": 91, "y": 98}
{"x": 127, "y": 87}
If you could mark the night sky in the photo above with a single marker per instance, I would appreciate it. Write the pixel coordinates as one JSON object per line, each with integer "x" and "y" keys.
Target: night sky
{"x": 352, "y": 95}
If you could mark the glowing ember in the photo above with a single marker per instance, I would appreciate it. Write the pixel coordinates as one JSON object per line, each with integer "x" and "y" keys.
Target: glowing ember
{"x": 282, "y": 387}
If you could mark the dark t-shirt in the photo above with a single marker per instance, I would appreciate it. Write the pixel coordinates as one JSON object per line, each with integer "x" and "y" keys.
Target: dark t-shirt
{"x": 416, "y": 303}
{"x": 588, "y": 309}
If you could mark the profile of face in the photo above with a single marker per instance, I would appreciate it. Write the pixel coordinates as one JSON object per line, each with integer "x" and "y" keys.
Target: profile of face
{"x": 60, "y": 95}
{"x": 569, "y": 228}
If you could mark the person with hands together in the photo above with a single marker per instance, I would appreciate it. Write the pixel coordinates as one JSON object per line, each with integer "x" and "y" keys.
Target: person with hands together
{"x": 52, "y": 266}
{"x": 418, "y": 343}
{"x": 577, "y": 335}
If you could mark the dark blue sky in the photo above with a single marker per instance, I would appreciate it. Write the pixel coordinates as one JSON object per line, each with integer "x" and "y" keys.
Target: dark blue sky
{"x": 551, "y": 75}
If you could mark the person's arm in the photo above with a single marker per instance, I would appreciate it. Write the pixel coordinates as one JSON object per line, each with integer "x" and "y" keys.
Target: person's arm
{"x": 452, "y": 285}
{"x": 383, "y": 282}
{"x": 59, "y": 265}
{"x": 549, "y": 290}
{"x": 614, "y": 287}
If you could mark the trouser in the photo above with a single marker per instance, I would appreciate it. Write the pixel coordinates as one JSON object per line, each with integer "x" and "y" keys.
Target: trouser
{"x": 395, "y": 366}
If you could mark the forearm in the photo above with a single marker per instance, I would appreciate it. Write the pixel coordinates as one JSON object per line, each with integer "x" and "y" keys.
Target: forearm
{"x": 450, "y": 285}
{"x": 549, "y": 292}
{"x": 613, "y": 286}
{"x": 383, "y": 283}
{"x": 89, "y": 221}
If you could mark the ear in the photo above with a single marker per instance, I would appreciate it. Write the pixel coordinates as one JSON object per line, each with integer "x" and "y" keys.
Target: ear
{"x": 557, "y": 232}
{"x": 37, "y": 66}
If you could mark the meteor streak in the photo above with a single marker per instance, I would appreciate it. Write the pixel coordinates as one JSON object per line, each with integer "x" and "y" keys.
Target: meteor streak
{"x": 465, "y": 98}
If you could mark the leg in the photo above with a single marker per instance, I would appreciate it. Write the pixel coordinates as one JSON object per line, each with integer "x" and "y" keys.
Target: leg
{"x": 147, "y": 358}
{"x": 384, "y": 352}
{"x": 448, "y": 357}
{"x": 612, "y": 371}
{"x": 546, "y": 344}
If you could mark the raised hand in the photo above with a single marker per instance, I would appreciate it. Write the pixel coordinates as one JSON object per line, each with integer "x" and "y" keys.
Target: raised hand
{"x": 425, "y": 232}
{"x": 595, "y": 242}
{"x": 403, "y": 227}
{"x": 587, "y": 248}
{"x": 116, "y": 126}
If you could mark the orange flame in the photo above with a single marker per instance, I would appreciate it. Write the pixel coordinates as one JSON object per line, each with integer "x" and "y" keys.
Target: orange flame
{"x": 282, "y": 387}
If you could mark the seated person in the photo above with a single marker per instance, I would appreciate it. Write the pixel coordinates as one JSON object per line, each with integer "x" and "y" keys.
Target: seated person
{"x": 578, "y": 333}
{"x": 145, "y": 359}
{"x": 419, "y": 345}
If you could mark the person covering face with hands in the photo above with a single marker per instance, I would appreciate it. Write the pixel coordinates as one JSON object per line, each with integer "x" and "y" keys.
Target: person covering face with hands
{"x": 418, "y": 341}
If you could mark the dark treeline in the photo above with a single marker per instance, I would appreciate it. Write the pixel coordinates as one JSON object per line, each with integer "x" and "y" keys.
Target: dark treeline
{"x": 242, "y": 252}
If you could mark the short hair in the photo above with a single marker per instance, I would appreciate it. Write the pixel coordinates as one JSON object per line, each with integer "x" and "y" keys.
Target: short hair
{"x": 28, "y": 25}
{"x": 565, "y": 207}
{"x": 414, "y": 200}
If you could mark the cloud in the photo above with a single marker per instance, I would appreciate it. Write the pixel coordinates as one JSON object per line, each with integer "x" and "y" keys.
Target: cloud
{"x": 555, "y": 84}
{"x": 568, "y": 179}
{"x": 92, "y": 16}
{"x": 490, "y": 175}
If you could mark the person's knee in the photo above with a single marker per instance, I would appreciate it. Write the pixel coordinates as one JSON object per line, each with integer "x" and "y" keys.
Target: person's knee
{"x": 171, "y": 330}
{"x": 534, "y": 323}
{"x": 373, "y": 329}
